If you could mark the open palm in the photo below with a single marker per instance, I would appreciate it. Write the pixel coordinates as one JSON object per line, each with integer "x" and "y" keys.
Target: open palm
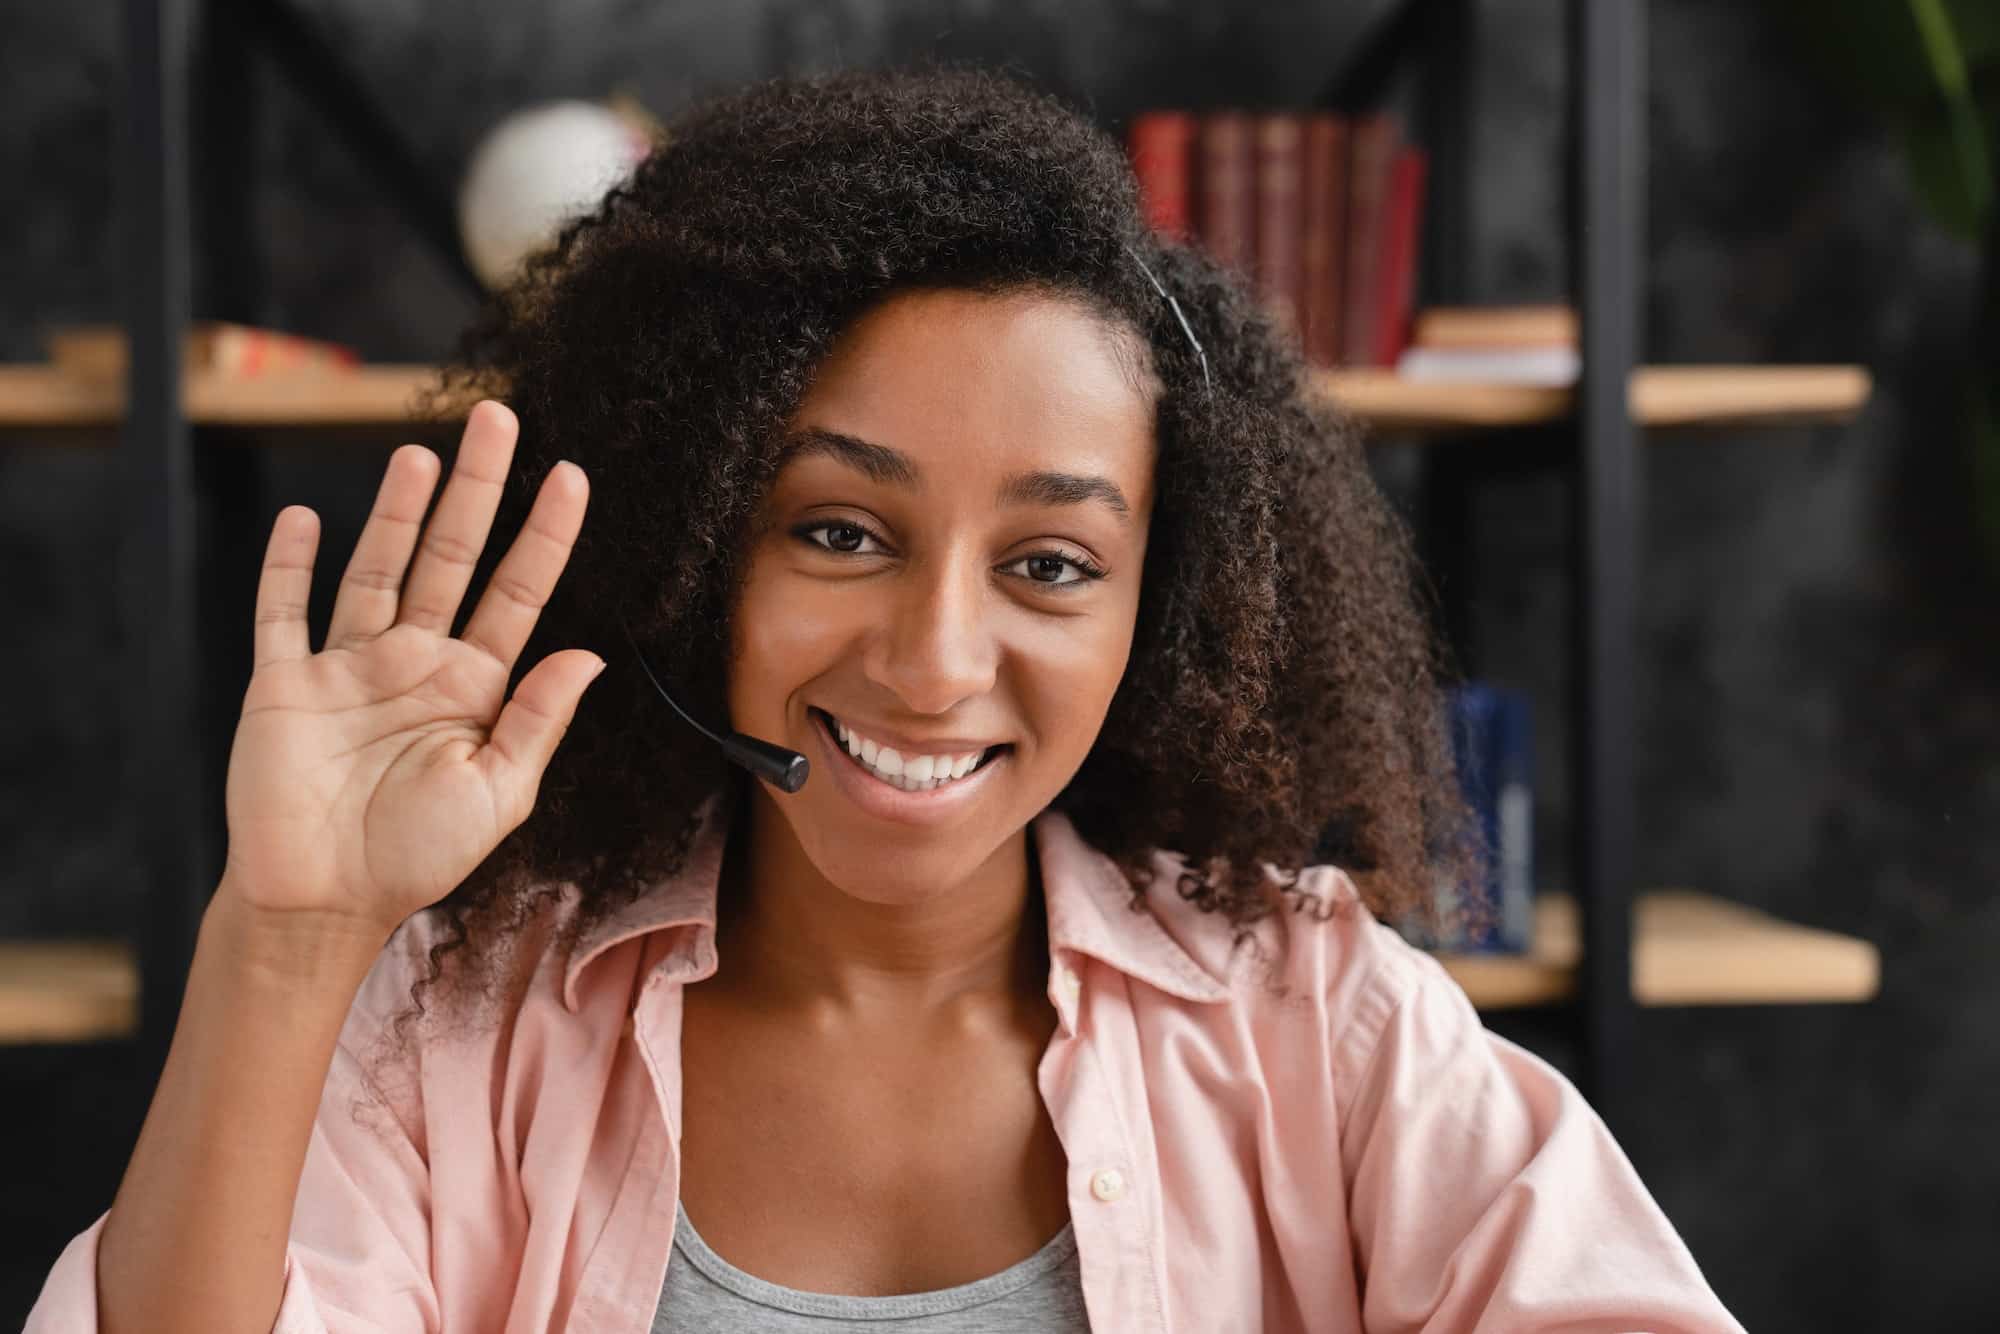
{"x": 368, "y": 779}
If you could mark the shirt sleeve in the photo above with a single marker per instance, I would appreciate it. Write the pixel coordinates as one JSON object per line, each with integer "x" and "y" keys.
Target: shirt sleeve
{"x": 358, "y": 1257}
{"x": 1484, "y": 1193}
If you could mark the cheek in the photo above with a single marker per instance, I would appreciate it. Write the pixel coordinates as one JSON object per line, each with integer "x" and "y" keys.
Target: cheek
{"x": 777, "y": 628}
{"x": 1070, "y": 680}
{"x": 780, "y": 637}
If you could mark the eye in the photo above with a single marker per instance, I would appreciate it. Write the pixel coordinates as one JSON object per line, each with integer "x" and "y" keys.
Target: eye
{"x": 1040, "y": 562}
{"x": 844, "y": 538}
{"x": 850, "y": 535}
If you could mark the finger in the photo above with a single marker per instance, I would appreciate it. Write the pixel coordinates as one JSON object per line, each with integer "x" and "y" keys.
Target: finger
{"x": 525, "y": 736}
{"x": 285, "y": 587}
{"x": 521, "y": 585}
{"x": 457, "y": 531}
{"x": 372, "y": 586}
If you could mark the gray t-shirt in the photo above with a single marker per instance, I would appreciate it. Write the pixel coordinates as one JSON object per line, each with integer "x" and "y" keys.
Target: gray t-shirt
{"x": 705, "y": 1293}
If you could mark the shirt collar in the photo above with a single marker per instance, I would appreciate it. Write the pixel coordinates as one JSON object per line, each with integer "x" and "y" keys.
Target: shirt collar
{"x": 1088, "y": 899}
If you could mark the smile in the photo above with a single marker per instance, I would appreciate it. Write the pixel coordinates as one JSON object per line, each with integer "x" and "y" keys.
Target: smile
{"x": 897, "y": 796}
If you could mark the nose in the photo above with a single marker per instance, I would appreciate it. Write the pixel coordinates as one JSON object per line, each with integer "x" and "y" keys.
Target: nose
{"x": 936, "y": 646}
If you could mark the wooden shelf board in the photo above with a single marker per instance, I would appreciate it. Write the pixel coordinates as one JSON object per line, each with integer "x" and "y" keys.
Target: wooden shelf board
{"x": 1687, "y": 949}
{"x": 1660, "y": 396}
{"x": 67, "y": 990}
{"x": 380, "y": 395}
{"x": 34, "y": 394}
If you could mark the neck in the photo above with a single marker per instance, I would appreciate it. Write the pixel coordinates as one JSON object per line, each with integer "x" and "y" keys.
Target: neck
{"x": 967, "y": 956}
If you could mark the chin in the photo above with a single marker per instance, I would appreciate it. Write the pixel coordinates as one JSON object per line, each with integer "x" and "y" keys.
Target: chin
{"x": 867, "y": 870}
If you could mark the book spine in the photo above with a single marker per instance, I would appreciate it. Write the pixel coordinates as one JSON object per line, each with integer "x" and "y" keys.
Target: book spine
{"x": 1323, "y": 220}
{"x": 1396, "y": 299}
{"x": 1493, "y": 751}
{"x": 1372, "y": 154}
{"x": 1225, "y": 204}
{"x": 1514, "y": 746}
{"x": 1279, "y": 221}
{"x": 1160, "y": 145}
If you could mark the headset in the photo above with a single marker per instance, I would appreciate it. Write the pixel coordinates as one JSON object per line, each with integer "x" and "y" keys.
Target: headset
{"x": 782, "y": 768}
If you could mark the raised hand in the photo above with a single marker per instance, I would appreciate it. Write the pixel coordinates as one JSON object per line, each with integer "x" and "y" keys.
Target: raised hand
{"x": 368, "y": 779}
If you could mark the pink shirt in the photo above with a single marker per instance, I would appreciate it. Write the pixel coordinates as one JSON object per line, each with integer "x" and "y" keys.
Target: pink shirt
{"x": 1358, "y": 1155}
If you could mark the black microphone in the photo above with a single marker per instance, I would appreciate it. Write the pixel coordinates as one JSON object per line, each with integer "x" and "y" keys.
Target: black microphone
{"x": 774, "y": 764}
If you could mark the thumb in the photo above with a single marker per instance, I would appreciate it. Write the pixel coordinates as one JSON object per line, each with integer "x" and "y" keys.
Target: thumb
{"x": 532, "y": 725}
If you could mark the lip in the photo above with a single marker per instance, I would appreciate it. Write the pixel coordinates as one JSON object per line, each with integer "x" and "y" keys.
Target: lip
{"x": 879, "y": 799}
{"x": 950, "y": 745}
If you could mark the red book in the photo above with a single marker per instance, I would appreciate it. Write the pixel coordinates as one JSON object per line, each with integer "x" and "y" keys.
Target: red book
{"x": 1323, "y": 227}
{"x": 1280, "y": 219}
{"x": 1396, "y": 300}
{"x": 1371, "y": 158}
{"x": 1161, "y": 146}
{"x": 1225, "y": 203}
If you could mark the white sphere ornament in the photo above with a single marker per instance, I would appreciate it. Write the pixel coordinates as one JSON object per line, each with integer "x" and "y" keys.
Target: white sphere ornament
{"x": 534, "y": 171}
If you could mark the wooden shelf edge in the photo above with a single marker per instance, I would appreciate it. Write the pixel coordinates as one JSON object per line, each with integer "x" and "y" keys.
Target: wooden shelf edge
{"x": 1660, "y": 396}
{"x": 37, "y": 395}
{"x": 68, "y": 991}
{"x": 1688, "y": 949}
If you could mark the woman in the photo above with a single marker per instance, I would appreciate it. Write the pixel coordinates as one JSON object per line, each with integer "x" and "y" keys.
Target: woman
{"x": 909, "y": 449}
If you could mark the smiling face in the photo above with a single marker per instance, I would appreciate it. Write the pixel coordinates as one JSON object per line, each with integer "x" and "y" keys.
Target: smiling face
{"x": 948, "y": 560}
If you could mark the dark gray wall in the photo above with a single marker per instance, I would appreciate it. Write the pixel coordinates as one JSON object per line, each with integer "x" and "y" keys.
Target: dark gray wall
{"x": 1819, "y": 703}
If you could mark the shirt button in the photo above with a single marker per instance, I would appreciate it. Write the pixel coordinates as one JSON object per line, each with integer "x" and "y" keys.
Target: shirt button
{"x": 1108, "y": 1184}
{"x": 1067, "y": 981}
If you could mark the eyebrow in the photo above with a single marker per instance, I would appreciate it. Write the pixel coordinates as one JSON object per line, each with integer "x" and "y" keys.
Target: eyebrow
{"x": 892, "y": 467}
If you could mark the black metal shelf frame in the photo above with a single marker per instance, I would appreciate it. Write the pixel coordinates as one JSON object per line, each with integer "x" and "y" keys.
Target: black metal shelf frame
{"x": 165, "y": 776}
{"x": 1596, "y": 449}
{"x": 1607, "y": 160}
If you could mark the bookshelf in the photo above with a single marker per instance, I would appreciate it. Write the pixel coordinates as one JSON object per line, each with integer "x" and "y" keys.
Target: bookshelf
{"x": 1605, "y": 949}
{"x": 1601, "y": 951}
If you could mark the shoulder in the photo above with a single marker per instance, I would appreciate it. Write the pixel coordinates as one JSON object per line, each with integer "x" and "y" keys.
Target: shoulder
{"x": 465, "y": 987}
{"x": 1323, "y": 958}
{"x": 420, "y": 1039}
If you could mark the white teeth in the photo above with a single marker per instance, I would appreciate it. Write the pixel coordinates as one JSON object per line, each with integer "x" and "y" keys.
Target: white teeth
{"x": 918, "y": 773}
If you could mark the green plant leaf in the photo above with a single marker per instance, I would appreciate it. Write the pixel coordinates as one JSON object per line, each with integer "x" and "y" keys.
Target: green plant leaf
{"x": 1978, "y": 25}
{"x": 1941, "y": 185}
{"x": 1872, "y": 46}
{"x": 1941, "y": 49}
{"x": 1961, "y": 205}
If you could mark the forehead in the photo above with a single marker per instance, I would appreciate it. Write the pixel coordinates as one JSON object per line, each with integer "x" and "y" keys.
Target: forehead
{"x": 970, "y": 385}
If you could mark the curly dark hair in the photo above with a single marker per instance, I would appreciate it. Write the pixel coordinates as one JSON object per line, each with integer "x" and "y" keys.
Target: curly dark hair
{"x": 1281, "y": 704}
